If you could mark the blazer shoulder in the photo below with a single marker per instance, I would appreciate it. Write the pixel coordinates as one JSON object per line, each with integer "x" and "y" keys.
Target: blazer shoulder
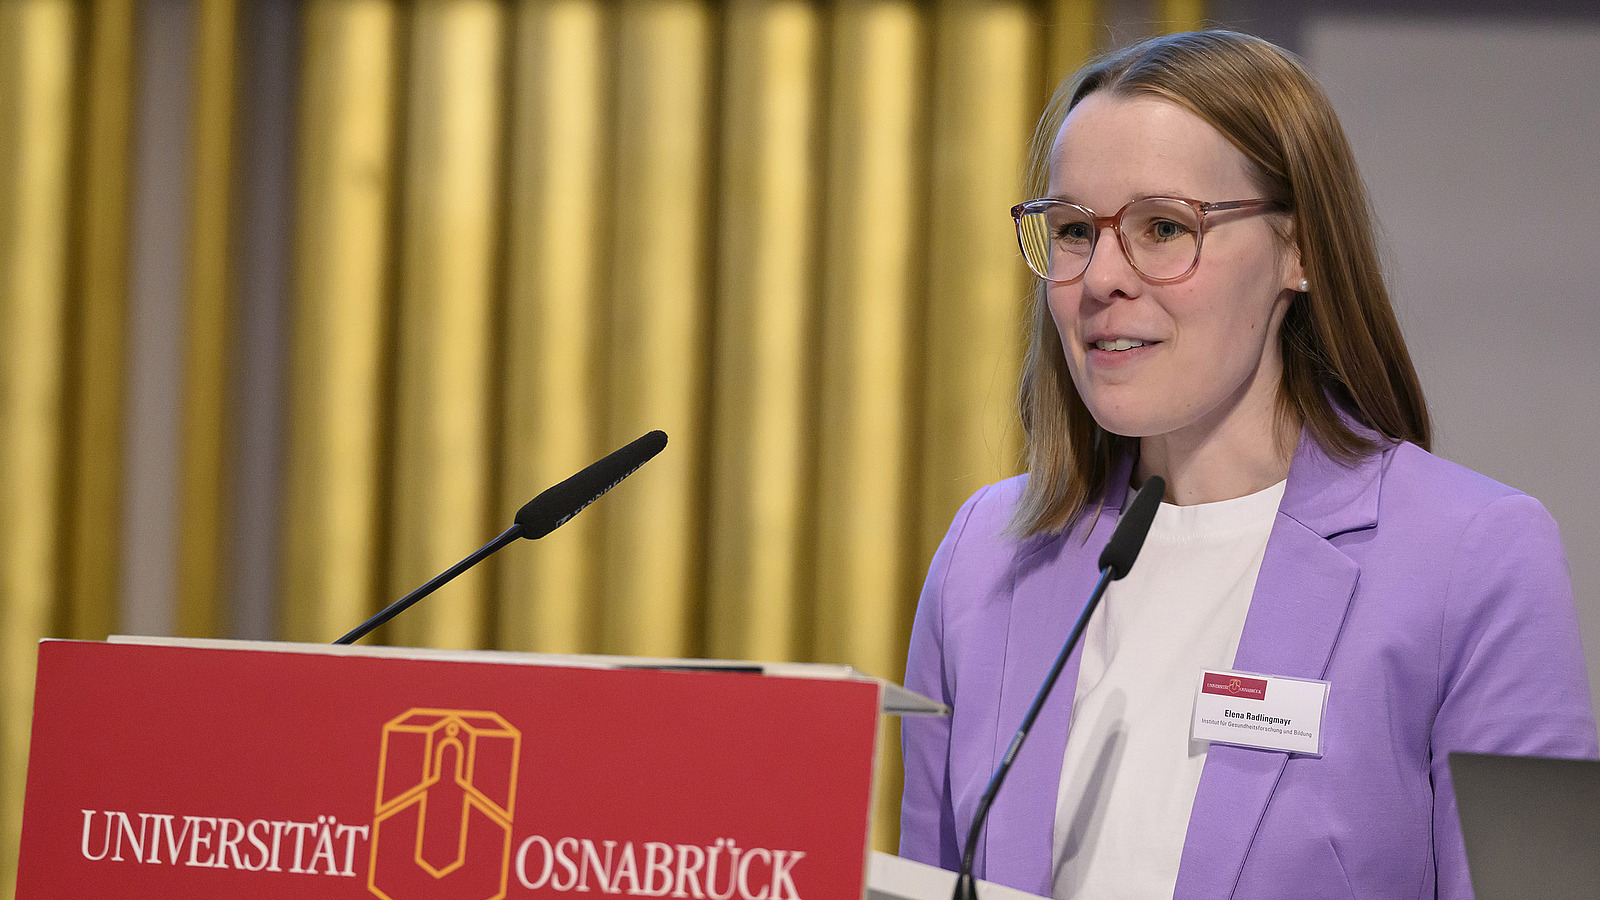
{"x": 985, "y": 518}
{"x": 1419, "y": 480}
{"x": 979, "y": 543}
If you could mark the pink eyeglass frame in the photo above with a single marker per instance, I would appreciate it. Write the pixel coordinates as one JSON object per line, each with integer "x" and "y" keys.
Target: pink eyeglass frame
{"x": 1114, "y": 222}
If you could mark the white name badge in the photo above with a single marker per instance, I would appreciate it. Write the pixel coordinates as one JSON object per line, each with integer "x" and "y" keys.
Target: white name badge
{"x": 1260, "y": 712}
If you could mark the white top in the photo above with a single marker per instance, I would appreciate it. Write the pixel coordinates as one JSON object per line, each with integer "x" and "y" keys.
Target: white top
{"x": 1130, "y": 772}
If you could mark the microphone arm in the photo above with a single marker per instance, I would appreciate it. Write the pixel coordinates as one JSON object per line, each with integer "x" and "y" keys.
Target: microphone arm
{"x": 966, "y": 885}
{"x": 1115, "y": 561}
{"x": 537, "y": 518}
{"x": 438, "y": 581}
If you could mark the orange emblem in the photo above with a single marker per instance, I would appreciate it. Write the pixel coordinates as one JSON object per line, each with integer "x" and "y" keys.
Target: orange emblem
{"x": 447, "y": 785}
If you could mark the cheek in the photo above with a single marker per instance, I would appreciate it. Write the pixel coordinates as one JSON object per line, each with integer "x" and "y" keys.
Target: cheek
{"x": 1255, "y": 300}
{"x": 1062, "y": 300}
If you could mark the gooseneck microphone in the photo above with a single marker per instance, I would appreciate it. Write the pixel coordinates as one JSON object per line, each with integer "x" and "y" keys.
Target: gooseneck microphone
{"x": 537, "y": 518}
{"x": 1115, "y": 561}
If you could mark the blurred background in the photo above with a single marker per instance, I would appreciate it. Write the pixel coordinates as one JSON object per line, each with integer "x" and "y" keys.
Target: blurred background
{"x": 300, "y": 301}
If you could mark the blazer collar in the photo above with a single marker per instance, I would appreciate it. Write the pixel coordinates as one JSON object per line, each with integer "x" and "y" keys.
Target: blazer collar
{"x": 1296, "y": 613}
{"x": 1329, "y": 497}
{"x": 1052, "y": 579}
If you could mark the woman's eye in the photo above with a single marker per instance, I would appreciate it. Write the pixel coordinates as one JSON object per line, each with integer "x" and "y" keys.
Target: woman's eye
{"x": 1166, "y": 230}
{"x": 1073, "y": 231}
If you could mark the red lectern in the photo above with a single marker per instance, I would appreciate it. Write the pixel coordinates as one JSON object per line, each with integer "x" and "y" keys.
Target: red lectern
{"x": 164, "y": 768}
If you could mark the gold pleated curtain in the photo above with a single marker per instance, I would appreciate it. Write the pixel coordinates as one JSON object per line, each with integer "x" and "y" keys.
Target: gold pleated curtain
{"x": 522, "y": 235}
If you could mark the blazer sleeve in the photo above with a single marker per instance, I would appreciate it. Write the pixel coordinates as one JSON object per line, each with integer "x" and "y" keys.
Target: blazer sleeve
{"x": 927, "y": 814}
{"x": 1512, "y": 677}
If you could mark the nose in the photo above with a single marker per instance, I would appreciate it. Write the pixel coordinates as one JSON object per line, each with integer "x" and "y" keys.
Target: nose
{"x": 1110, "y": 273}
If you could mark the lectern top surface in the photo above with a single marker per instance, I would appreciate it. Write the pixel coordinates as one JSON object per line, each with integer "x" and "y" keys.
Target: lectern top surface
{"x": 895, "y": 700}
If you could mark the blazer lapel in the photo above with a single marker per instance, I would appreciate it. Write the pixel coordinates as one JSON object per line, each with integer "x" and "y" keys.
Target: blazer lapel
{"x": 1301, "y": 596}
{"x": 1053, "y": 583}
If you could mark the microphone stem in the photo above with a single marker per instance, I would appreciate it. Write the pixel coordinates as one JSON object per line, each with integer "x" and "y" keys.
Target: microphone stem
{"x": 966, "y": 888}
{"x": 438, "y": 581}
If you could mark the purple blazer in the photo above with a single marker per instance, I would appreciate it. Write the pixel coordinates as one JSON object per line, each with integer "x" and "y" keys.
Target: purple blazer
{"x": 1436, "y": 602}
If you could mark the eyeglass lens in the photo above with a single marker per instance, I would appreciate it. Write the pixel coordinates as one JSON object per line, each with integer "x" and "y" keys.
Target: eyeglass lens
{"x": 1161, "y": 238}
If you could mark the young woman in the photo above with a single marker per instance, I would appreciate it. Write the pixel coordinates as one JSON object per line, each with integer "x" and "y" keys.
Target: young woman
{"x": 1211, "y": 310}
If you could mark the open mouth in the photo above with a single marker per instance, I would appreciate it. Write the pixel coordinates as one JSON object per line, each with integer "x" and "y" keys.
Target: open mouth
{"x": 1120, "y": 344}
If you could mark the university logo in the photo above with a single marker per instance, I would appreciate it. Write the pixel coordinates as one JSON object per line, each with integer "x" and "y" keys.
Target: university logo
{"x": 447, "y": 785}
{"x": 1232, "y": 685}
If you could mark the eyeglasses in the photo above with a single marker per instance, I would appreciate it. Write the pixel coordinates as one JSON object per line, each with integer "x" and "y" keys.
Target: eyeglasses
{"x": 1159, "y": 235}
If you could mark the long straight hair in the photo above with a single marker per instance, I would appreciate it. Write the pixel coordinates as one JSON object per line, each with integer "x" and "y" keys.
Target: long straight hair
{"x": 1344, "y": 359}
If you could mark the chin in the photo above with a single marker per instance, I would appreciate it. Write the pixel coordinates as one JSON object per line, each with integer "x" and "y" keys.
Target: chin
{"x": 1128, "y": 427}
{"x": 1130, "y": 421}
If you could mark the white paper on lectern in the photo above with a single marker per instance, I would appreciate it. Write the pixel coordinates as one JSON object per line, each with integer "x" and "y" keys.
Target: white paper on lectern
{"x": 894, "y": 699}
{"x": 892, "y": 877}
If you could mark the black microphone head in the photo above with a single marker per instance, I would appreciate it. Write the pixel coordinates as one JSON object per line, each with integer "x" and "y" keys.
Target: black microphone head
{"x": 551, "y": 509}
{"x": 1123, "y": 548}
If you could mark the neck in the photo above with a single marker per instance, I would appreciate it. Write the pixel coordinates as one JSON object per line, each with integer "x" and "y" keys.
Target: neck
{"x": 1220, "y": 463}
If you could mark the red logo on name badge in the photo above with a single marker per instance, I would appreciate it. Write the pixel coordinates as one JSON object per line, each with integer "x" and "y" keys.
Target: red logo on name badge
{"x": 1235, "y": 686}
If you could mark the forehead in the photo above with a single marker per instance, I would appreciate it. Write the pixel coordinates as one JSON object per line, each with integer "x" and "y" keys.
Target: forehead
{"x": 1111, "y": 149}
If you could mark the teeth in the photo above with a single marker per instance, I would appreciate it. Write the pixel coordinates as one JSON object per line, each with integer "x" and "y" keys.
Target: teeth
{"x": 1119, "y": 344}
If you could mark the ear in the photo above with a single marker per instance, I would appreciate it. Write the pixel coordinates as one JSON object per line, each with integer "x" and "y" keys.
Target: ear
{"x": 1293, "y": 273}
{"x": 1294, "y": 278}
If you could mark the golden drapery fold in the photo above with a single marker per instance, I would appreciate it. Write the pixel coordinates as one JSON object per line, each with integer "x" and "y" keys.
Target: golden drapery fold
{"x": 38, "y": 59}
{"x": 341, "y": 306}
{"x": 550, "y": 371}
{"x": 764, "y": 328}
{"x": 209, "y": 329}
{"x": 441, "y": 398}
{"x": 522, "y": 235}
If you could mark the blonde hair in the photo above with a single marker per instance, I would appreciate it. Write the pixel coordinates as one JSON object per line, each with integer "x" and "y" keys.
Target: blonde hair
{"x": 1344, "y": 359}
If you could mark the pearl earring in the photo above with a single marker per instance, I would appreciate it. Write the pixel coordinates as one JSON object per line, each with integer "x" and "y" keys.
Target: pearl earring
{"x": 1305, "y": 285}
